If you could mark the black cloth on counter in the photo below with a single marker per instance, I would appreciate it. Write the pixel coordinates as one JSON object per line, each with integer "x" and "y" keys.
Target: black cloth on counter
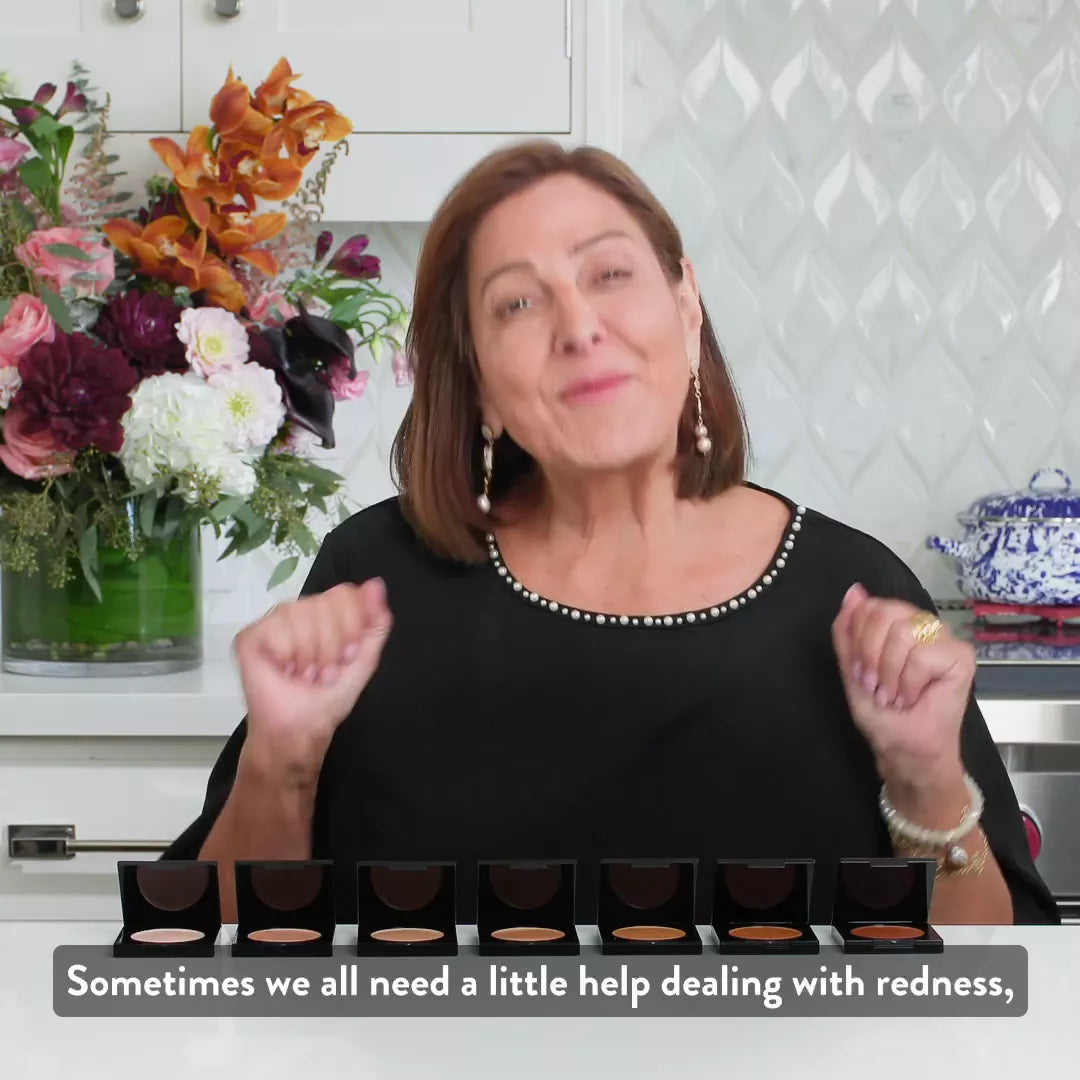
{"x": 495, "y": 728}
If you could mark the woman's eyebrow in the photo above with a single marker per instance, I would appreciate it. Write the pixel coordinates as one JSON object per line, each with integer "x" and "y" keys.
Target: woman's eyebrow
{"x": 525, "y": 264}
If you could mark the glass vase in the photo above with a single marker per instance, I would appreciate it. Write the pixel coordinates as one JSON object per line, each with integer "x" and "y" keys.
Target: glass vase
{"x": 147, "y": 622}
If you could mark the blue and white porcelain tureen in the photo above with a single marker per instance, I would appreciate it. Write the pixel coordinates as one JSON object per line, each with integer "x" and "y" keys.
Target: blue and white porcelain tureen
{"x": 1020, "y": 547}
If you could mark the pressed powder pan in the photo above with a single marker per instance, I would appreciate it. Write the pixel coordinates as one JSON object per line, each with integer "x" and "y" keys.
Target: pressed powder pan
{"x": 765, "y": 933}
{"x": 166, "y": 936}
{"x": 406, "y": 934}
{"x": 528, "y": 933}
{"x": 648, "y": 933}
{"x": 283, "y": 935}
{"x": 888, "y": 933}
{"x": 284, "y": 907}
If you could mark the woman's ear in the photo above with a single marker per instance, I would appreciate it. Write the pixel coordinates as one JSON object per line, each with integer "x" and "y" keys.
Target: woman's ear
{"x": 689, "y": 300}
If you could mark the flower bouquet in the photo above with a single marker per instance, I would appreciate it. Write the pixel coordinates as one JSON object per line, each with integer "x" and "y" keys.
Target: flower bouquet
{"x": 167, "y": 369}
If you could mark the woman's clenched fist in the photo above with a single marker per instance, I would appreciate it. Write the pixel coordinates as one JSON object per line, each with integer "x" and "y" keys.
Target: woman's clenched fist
{"x": 303, "y": 665}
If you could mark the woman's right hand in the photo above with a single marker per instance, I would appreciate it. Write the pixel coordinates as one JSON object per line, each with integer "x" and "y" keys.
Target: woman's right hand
{"x": 302, "y": 666}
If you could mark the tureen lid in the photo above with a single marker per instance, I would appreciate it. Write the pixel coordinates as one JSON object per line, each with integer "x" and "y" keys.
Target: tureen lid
{"x": 1039, "y": 500}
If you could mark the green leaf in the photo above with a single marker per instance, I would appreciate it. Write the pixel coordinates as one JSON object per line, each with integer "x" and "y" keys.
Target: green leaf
{"x": 5, "y": 307}
{"x": 302, "y": 537}
{"x": 343, "y": 513}
{"x": 58, "y": 310}
{"x": 88, "y": 559}
{"x": 147, "y": 510}
{"x": 64, "y": 140}
{"x": 227, "y": 507}
{"x": 283, "y": 571}
{"x": 69, "y": 251}
{"x": 44, "y": 127}
{"x": 37, "y": 176}
{"x": 174, "y": 508}
{"x": 23, "y": 218}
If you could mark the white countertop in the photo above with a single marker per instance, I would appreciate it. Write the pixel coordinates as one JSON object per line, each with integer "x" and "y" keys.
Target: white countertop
{"x": 38, "y": 1045}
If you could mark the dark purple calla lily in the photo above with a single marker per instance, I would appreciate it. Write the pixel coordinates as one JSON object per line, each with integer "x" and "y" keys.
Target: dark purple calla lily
{"x": 26, "y": 114}
{"x": 298, "y": 353}
{"x": 350, "y": 261}
{"x": 322, "y": 244}
{"x": 74, "y": 101}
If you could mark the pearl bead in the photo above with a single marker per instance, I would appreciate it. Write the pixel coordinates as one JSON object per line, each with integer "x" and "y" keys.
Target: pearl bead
{"x": 484, "y": 503}
{"x": 700, "y": 431}
{"x": 704, "y": 445}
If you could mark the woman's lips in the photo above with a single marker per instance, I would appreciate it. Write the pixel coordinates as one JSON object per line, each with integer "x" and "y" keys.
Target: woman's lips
{"x": 590, "y": 390}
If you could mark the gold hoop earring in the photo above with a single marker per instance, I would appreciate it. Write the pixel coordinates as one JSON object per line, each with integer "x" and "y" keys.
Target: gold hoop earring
{"x": 701, "y": 432}
{"x": 483, "y": 500}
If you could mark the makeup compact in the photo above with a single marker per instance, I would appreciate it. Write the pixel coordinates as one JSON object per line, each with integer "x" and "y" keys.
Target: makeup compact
{"x": 526, "y": 907}
{"x": 763, "y": 906}
{"x": 169, "y": 908}
{"x": 284, "y": 908}
{"x": 406, "y": 909}
{"x": 647, "y": 906}
{"x": 883, "y": 905}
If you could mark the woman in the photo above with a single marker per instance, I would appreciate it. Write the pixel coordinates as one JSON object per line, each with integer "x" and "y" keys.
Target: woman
{"x": 579, "y": 631}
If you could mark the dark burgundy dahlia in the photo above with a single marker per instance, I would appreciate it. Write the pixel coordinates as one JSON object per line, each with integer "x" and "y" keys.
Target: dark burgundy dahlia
{"x": 77, "y": 390}
{"x": 143, "y": 327}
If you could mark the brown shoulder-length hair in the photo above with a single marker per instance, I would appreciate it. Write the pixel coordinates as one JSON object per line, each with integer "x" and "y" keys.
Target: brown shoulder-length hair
{"x": 437, "y": 452}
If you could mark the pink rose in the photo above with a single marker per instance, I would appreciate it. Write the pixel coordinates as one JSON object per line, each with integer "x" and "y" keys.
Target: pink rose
{"x": 56, "y": 271}
{"x": 33, "y": 457}
{"x": 27, "y": 322}
{"x": 263, "y": 310}
{"x": 11, "y": 153}
{"x": 342, "y": 387}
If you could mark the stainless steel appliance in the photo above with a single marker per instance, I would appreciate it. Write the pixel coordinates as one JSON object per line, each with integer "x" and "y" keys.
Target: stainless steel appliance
{"x": 1027, "y": 684}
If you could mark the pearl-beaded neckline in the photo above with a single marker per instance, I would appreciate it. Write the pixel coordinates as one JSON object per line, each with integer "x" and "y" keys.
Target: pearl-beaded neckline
{"x": 702, "y": 615}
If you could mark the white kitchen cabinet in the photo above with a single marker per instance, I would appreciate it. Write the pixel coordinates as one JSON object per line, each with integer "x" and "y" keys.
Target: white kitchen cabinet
{"x": 136, "y": 60}
{"x": 429, "y": 85}
{"x": 409, "y": 66}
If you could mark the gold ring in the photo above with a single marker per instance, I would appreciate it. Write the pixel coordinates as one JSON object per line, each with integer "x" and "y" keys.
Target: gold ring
{"x": 926, "y": 627}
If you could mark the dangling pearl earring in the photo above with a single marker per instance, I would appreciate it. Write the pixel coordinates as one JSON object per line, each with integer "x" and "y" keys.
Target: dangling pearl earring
{"x": 701, "y": 432}
{"x": 483, "y": 500}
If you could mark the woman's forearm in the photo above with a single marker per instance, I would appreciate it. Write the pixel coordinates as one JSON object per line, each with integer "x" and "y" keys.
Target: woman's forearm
{"x": 970, "y": 898}
{"x": 267, "y": 815}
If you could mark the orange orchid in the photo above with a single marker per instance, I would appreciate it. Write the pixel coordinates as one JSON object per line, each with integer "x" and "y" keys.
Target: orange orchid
{"x": 259, "y": 175}
{"x": 204, "y": 271}
{"x": 152, "y": 247}
{"x": 236, "y": 231}
{"x": 198, "y": 173}
{"x": 233, "y": 116}
{"x": 300, "y": 131}
{"x": 276, "y": 94}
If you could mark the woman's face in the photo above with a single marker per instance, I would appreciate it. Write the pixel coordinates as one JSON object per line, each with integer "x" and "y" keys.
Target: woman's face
{"x": 584, "y": 345}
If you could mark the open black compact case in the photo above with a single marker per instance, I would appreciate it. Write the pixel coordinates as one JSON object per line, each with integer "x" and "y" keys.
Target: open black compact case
{"x": 763, "y": 906}
{"x": 646, "y": 906}
{"x": 284, "y": 908}
{"x": 883, "y": 905}
{"x": 169, "y": 908}
{"x": 526, "y": 907}
{"x": 406, "y": 909}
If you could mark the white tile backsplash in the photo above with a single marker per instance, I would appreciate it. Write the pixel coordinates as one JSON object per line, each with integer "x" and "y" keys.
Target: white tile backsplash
{"x": 883, "y": 201}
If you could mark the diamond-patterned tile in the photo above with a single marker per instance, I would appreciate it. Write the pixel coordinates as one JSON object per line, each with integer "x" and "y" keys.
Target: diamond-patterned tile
{"x": 1017, "y": 419}
{"x": 809, "y": 94}
{"x": 893, "y": 312}
{"x": 895, "y": 95}
{"x": 978, "y": 311}
{"x": 936, "y": 205}
{"x": 852, "y": 20}
{"x": 1023, "y": 204}
{"x": 720, "y": 94}
{"x": 941, "y": 20}
{"x": 1027, "y": 19}
{"x": 816, "y": 308}
{"x": 851, "y": 203}
{"x": 1054, "y": 98}
{"x": 1052, "y": 314}
{"x": 771, "y": 207}
{"x": 983, "y": 95}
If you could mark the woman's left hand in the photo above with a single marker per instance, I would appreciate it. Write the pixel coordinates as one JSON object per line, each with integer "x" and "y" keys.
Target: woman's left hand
{"x": 907, "y": 697}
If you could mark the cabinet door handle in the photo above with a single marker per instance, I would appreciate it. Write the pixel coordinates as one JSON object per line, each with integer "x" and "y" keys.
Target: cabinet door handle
{"x": 227, "y": 9}
{"x": 58, "y": 842}
{"x": 127, "y": 9}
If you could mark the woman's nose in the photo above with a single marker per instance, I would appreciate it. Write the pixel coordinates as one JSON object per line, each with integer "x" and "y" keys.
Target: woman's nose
{"x": 577, "y": 324}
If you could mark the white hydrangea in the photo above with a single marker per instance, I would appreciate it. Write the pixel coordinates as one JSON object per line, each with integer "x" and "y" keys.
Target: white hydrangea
{"x": 10, "y": 381}
{"x": 254, "y": 404}
{"x": 215, "y": 338}
{"x": 179, "y": 426}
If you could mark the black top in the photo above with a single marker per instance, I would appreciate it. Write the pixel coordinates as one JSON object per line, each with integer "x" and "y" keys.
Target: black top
{"x": 499, "y": 727}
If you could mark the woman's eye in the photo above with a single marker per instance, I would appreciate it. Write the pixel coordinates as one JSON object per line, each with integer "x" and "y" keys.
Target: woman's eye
{"x": 613, "y": 272}
{"x": 511, "y": 307}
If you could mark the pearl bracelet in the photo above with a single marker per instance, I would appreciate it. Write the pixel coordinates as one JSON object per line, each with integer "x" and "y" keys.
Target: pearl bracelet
{"x": 945, "y": 838}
